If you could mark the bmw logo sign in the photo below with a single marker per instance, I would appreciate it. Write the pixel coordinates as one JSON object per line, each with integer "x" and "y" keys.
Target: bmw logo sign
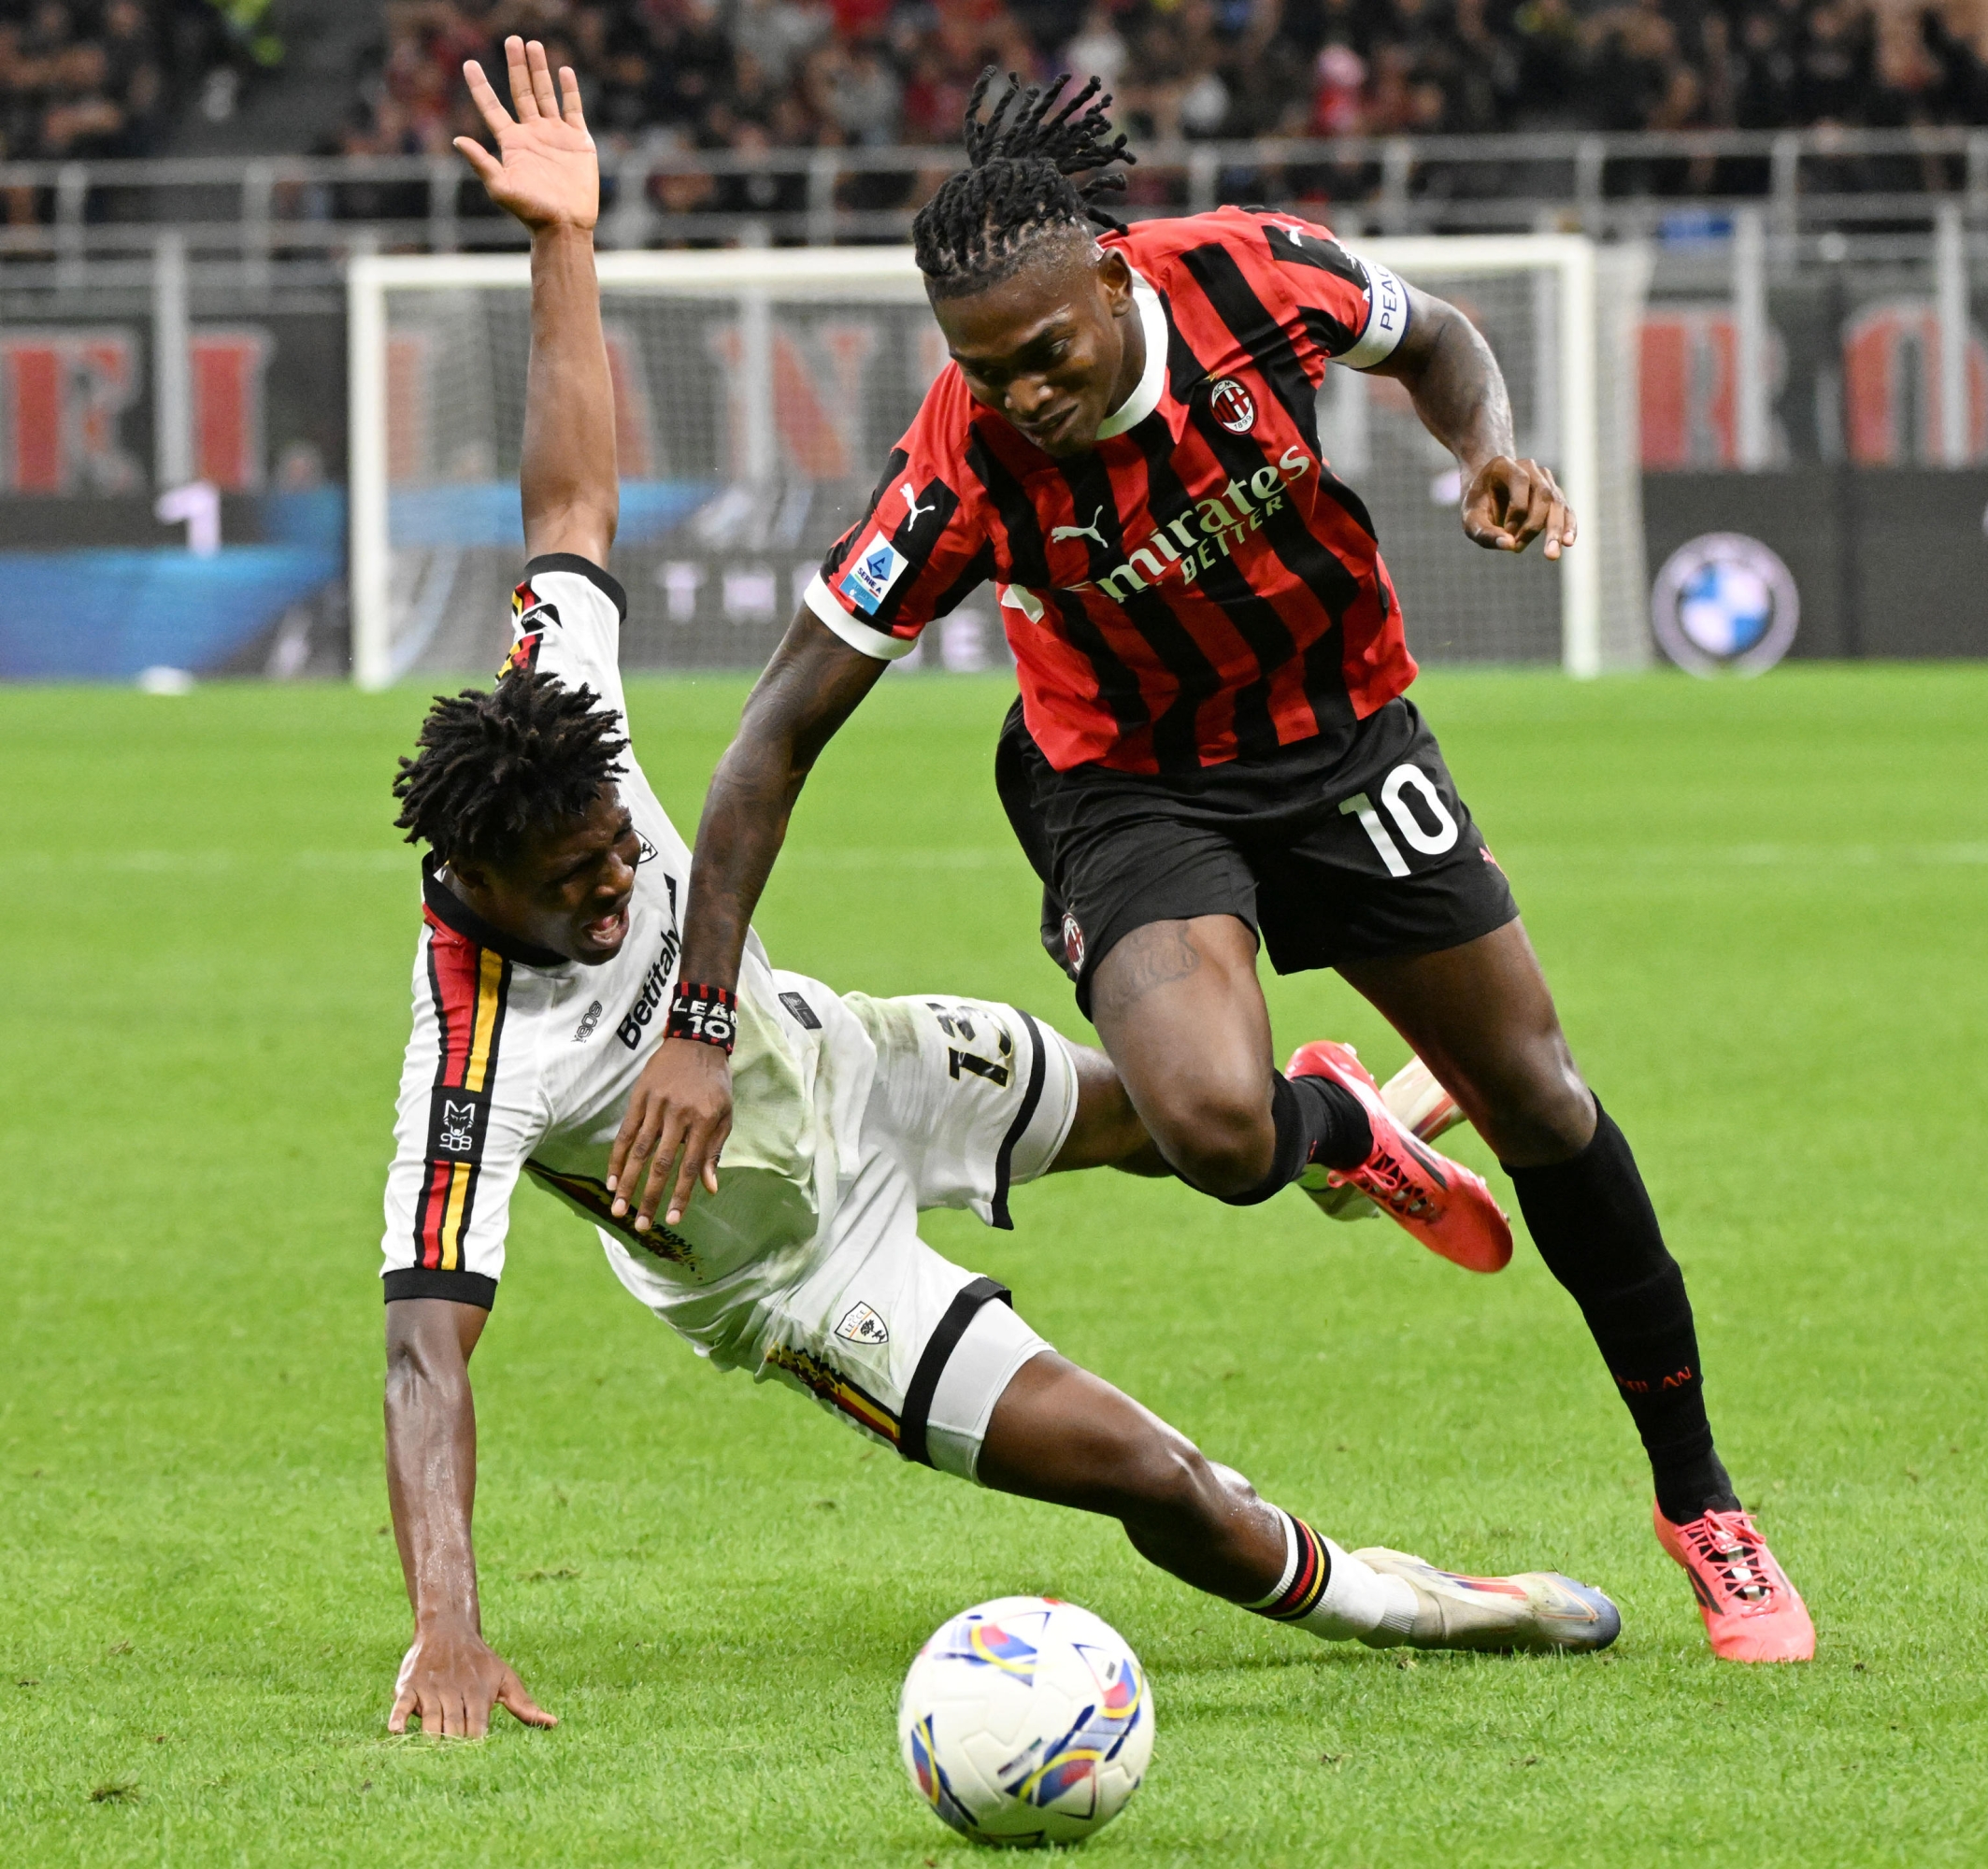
{"x": 1724, "y": 605}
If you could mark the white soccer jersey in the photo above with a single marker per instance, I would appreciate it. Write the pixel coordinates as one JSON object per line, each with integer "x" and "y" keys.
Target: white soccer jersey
{"x": 522, "y": 1062}
{"x": 850, "y": 1115}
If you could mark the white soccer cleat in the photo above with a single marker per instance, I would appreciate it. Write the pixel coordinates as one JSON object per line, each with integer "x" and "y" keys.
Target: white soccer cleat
{"x": 1419, "y": 1103}
{"x": 1422, "y": 1106}
{"x": 1539, "y": 1612}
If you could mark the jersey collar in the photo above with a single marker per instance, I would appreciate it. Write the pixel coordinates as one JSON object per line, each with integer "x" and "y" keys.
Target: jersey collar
{"x": 1146, "y": 398}
{"x": 452, "y": 912}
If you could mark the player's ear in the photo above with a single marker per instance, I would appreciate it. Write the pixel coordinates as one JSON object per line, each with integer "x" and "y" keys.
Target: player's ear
{"x": 1114, "y": 282}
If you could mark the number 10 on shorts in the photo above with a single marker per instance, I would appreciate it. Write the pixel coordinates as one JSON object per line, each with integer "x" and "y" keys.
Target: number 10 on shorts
{"x": 1414, "y": 833}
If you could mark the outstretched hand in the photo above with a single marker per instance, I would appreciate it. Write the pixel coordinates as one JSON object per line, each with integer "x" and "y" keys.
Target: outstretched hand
{"x": 545, "y": 171}
{"x": 452, "y": 1680}
{"x": 1512, "y": 503}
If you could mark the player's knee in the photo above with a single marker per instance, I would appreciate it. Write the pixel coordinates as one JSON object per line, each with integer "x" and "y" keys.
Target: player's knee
{"x": 1540, "y": 1110}
{"x": 1219, "y": 1137}
{"x": 1168, "y": 1486}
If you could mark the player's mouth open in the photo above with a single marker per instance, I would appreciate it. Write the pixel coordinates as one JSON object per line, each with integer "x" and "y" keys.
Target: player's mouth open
{"x": 607, "y": 931}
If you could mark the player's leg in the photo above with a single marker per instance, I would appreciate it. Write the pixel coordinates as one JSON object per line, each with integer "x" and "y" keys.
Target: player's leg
{"x": 1480, "y": 1014}
{"x": 967, "y": 1099}
{"x": 1482, "y": 1017}
{"x": 1181, "y": 1013}
{"x": 1150, "y": 905}
{"x": 1109, "y": 1133}
{"x": 1062, "y": 1434}
{"x": 1108, "y": 1130}
{"x": 1178, "y": 1005}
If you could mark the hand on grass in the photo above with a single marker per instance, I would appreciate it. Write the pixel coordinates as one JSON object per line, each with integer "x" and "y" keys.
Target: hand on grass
{"x": 450, "y": 1681}
{"x": 682, "y": 1106}
{"x": 1512, "y": 503}
{"x": 545, "y": 171}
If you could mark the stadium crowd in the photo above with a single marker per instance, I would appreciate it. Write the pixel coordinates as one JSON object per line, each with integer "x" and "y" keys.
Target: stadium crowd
{"x": 745, "y": 74}
{"x": 103, "y": 77}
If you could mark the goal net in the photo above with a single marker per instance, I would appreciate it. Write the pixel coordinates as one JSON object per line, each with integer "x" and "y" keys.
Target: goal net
{"x": 757, "y": 393}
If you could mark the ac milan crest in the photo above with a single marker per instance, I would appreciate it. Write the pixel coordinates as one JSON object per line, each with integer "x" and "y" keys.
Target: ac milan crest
{"x": 1235, "y": 406}
{"x": 1073, "y": 943}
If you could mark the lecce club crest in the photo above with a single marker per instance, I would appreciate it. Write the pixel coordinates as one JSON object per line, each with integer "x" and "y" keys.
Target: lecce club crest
{"x": 861, "y": 1325}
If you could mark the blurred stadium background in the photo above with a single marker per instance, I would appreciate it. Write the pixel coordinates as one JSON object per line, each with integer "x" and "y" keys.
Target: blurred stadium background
{"x": 1794, "y": 189}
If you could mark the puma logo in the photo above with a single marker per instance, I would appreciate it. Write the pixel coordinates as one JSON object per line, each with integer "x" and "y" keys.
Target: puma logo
{"x": 1061, "y": 533}
{"x": 910, "y": 500}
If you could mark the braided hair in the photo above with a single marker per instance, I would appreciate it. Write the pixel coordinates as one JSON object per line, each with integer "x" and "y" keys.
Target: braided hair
{"x": 497, "y": 767}
{"x": 1021, "y": 158}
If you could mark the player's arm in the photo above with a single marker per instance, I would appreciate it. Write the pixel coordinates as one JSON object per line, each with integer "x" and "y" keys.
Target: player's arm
{"x": 545, "y": 173}
{"x": 680, "y": 1111}
{"x": 917, "y": 550}
{"x": 451, "y": 1678}
{"x": 1458, "y": 390}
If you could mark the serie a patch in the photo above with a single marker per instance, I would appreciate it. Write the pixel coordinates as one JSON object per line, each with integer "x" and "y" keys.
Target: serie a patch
{"x": 868, "y": 579}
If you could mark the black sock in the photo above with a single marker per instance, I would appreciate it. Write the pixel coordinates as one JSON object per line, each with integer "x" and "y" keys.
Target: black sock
{"x": 1592, "y": 1220}
{"x": 1316, "y": 1121}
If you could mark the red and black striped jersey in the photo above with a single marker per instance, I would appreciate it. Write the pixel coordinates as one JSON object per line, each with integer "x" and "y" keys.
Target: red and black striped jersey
{"x": 1198, "y": 587}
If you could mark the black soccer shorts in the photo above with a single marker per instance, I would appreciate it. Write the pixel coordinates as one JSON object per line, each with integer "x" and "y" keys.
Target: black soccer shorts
{"x": 1332, "y": 851}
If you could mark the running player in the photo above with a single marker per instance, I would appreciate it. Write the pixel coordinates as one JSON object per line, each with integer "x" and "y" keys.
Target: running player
{"x": 545, "y": 970}
{"x": 1212, "y": 742}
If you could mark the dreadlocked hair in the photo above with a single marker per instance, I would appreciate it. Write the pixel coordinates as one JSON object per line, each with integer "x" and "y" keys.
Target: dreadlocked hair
{"x": 499, "y": 765}
{"x": 1021, "y": 158}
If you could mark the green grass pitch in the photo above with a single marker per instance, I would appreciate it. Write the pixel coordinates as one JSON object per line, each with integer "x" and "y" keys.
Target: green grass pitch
{"x": 1763, "y": 906}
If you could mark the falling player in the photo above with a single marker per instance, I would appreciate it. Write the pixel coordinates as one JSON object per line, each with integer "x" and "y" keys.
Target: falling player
{"x": 1213, "y": 741}
{"x": 546, "y": 973}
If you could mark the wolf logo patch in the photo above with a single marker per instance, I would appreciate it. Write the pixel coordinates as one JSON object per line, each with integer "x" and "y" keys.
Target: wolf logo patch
{"x": 457, "y": 1133}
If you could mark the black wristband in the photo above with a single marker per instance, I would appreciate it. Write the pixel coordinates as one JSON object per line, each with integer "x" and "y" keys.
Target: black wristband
{"x": 708, "y": 1014}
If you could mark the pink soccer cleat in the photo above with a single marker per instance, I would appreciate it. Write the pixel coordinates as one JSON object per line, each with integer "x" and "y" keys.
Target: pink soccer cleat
{"x": 1414, "y": 1098}
{"x": 1752, "y": 1612}
{"x": 1447, "y": 1207}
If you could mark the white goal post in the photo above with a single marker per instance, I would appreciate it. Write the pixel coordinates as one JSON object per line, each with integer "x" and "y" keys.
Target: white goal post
{"x": 759, "y": 390}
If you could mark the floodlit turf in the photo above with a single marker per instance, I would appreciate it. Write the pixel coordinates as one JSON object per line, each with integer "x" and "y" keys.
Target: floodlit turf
{"x": 1763, "y": 906}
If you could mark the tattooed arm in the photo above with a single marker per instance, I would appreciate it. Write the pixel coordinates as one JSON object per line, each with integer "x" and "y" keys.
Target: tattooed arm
{"x": 1459, "y": 393}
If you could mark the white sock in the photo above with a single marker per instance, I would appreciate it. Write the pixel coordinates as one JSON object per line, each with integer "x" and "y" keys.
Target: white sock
{"x": 1289, "y": 1570}
{"x": 1361, "y": 1604}
{"x": 1357, "y": 1604}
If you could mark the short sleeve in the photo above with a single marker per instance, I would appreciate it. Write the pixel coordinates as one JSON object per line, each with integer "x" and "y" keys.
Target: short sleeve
{"x": 566, "y": 620}
{"x": 467, "y": 1121}
{"x": 1353, "y": 311}
{"x": 915, "y": 553}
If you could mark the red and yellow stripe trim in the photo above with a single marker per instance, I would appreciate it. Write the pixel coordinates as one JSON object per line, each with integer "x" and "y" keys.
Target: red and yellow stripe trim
{"x": 1300, "y": 1597}
{"x": 594, "y": 1200}
{"x": 470, "y": 986}
{"x": 828, "y": 1382}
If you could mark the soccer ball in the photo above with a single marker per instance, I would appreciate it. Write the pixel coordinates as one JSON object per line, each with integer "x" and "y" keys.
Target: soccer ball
{"x": 1026, "y": 1720}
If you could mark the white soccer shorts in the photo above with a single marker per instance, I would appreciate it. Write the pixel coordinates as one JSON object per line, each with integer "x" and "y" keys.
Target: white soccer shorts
{"x": 969, "y": 1099}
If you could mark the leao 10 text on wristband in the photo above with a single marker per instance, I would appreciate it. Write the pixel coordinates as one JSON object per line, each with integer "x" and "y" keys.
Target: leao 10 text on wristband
{"x": 708, "y": 1014}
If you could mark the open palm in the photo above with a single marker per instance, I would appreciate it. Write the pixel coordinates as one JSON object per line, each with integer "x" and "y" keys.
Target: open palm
{"x": 545, "y": 171}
